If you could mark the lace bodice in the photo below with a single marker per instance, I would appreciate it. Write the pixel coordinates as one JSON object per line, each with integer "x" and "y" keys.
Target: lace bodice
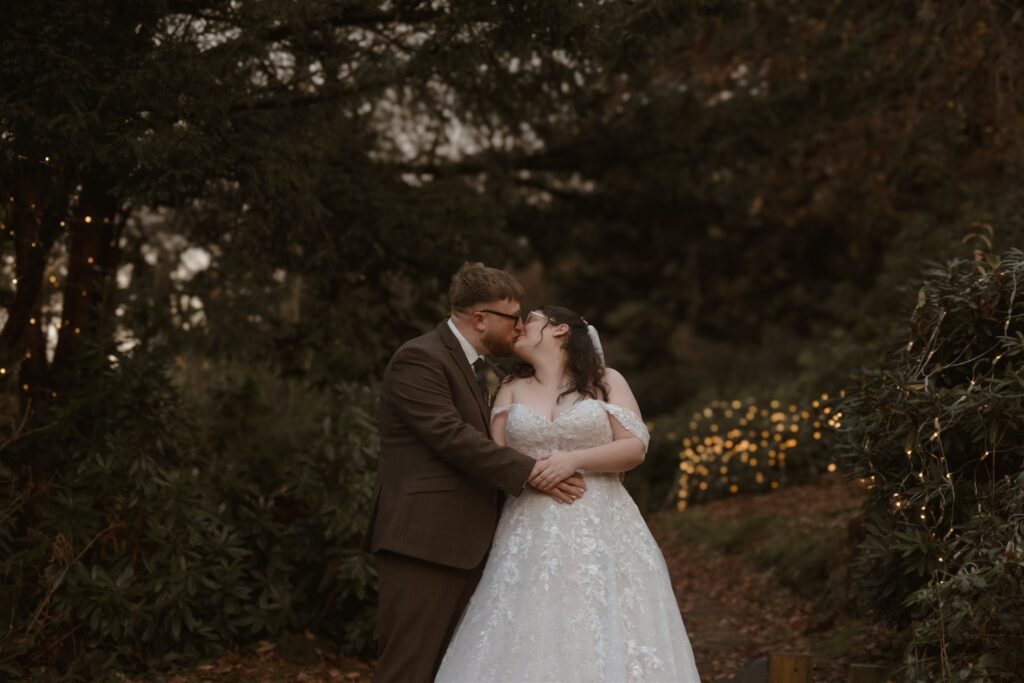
{"x": 585, "y": 425}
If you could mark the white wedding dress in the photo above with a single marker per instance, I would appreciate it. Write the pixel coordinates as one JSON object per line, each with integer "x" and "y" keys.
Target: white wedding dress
{"x": 571, "y": 592}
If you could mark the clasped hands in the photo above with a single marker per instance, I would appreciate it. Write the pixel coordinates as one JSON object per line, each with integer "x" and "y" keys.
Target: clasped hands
{"x": 555, "y": 474}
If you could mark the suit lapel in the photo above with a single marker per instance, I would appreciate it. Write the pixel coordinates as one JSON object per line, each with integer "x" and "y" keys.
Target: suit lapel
{"x": 455, "y": 349}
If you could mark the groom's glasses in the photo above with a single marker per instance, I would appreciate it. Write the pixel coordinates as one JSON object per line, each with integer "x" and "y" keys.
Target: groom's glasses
{"x": 515, "y": 317}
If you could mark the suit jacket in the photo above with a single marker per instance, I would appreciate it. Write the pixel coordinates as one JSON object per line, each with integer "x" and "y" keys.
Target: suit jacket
{"x": 440, "y": 478}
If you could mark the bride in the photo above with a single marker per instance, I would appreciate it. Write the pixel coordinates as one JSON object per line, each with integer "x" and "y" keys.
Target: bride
{"x": 580, "y": 592}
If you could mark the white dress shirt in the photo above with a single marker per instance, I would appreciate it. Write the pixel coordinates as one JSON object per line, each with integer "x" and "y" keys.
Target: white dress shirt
{"x": 467, "y": 348}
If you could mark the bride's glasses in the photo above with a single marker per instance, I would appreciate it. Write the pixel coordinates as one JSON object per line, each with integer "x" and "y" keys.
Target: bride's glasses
{"x": 535, "y": 315}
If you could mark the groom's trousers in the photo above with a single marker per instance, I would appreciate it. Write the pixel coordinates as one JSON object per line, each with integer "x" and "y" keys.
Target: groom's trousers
{"x": 420, "y": 606}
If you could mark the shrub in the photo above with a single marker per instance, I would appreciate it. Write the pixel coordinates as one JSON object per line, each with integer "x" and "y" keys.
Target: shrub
{"x": 128, "y": 540}
{"x": 938, "y": 434}
{"x": 744, "y": 446}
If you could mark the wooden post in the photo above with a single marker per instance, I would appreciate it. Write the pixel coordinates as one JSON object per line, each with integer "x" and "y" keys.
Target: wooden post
{"x": 789, "y": 669}
{"x": 867, "y": 673}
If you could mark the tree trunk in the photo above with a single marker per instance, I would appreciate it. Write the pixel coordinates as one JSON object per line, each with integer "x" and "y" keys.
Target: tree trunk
{"x": 92, "y": 258}
{"x": 36, "y": 214}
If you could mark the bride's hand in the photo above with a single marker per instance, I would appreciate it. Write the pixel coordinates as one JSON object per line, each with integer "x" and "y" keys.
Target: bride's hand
{"x": 553, "y": 469}
{"x": 570, "y": 490}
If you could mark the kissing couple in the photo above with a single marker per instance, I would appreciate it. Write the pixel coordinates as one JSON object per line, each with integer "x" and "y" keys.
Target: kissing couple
{"x": 507, "y": 548}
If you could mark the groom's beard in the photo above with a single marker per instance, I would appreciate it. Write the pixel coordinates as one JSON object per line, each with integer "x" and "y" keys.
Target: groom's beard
{"x": 498, "y": 345}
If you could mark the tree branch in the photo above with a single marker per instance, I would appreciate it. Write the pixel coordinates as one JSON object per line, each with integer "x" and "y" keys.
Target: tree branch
{"x": 291, "y": 100}
{"x": 559, "y": 159}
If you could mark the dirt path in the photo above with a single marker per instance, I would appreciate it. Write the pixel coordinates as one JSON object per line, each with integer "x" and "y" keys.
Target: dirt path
{"x": 731, "y": 612}
{"x": 735, "y": 612}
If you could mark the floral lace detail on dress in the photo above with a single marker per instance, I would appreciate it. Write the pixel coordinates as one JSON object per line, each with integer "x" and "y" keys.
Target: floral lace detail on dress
{"x": 571, "y": 592}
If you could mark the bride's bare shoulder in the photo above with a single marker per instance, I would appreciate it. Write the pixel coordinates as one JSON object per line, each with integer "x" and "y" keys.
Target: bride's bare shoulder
{"x": 614, "y": 377}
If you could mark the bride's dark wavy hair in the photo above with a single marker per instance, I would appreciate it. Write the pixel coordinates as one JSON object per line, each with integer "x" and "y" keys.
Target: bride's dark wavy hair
{"x": 584, "y": 366}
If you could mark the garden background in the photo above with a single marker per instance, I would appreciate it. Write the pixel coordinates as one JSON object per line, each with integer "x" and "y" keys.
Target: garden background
{"x": 793, "y": 223}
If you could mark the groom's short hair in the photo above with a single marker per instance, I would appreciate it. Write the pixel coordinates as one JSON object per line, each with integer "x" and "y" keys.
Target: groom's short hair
{"x": 476, "y": 283}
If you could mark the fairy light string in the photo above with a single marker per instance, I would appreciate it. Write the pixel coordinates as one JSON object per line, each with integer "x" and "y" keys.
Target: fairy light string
{"x": 735, "y": 446}
{"x": 57, "y": 280}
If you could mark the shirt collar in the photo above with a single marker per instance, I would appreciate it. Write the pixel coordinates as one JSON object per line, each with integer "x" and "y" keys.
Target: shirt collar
{"x": 467, "y": 348}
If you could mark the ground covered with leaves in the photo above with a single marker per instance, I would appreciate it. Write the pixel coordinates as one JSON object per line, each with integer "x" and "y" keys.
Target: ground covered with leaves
{"x": 763, "y": 574}
{"x": 753, "y": 575}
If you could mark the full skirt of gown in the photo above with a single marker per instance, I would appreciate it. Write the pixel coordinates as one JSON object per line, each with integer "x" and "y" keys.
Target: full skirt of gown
{"x": 574, "y": 592}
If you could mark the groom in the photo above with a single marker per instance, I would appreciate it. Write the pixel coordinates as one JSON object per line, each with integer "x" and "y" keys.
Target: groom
{"x": 441, "y": 480}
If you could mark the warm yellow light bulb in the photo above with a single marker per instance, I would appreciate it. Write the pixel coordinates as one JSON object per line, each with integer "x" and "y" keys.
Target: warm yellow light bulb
{"x": 88, "y": 219}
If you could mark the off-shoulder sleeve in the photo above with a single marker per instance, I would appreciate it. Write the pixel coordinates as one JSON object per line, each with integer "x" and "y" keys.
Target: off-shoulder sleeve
{"x": 498, "y": 410}
{"x": 631, "y": 421}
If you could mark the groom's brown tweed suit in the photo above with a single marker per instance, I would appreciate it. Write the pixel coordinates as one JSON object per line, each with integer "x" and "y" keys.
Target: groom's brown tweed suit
{"x": 440, "y": 484}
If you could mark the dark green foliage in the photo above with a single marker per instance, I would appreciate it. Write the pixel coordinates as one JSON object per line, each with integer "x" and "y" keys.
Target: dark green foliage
{"x": 970, "y": 622}
{"x": 937, "y": 432}
{"x": 321, "y": 156}
{"x": 147, "y": 549}
{"x": 736, "y": 193}
{"x": 775, "y": 177}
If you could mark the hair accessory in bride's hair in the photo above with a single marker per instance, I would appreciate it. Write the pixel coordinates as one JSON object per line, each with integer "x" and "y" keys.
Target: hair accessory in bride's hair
{"x": 592, "y": 331}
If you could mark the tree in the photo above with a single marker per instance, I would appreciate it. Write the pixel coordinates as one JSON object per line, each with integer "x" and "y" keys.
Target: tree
{"x": 772, "y": 175}
{"x": 304, "y": 140}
